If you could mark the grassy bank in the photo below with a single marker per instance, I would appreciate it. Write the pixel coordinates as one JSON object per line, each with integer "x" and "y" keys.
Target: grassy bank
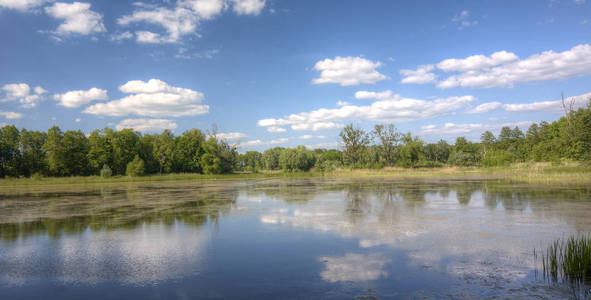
{"x": 565, "y": 174}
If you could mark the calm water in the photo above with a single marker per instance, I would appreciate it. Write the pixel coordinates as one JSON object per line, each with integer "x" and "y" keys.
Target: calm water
{"x": 288, "y": 239}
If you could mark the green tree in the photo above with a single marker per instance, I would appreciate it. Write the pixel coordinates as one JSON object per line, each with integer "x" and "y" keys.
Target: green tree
{"x": 388, "y": 139}
{"x": 164, "y": 151}
{"x": 188, "y": 151}
{"x": 33, "y": 160}
{"x": 135, "y": 167}
{"x": 355, "y": 141}
{"x": 55, "y": 152}
{"x": 9, "y": 151}
{"x": 271, "y": 158}
{"x": 296, "y": 159}
{"x": 100, "y": 150}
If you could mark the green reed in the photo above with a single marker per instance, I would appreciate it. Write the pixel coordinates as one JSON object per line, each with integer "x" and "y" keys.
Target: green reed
{"x": 568, "y": 260}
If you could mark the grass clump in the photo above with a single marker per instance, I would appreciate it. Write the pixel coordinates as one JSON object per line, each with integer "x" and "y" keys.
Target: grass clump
{"x": 568, "y": 260}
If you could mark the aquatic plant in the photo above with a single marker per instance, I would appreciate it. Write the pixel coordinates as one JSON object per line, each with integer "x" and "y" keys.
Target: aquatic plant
{"x": 568, "y": 260}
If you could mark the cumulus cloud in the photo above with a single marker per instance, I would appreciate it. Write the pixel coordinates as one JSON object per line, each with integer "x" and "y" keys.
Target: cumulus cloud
{"x": 393, "y": 108}
{"x": 365, "y": 95}
{"x": 205, "y": 9}
{"x": 421, "y": 75}
{"x": 147, "y": 125}
{"x": 248, "y": 7}
{"x": 78, "y": 18}
{"x": 22, "y": 5}
{"x": 154, "y": 98}
{"x": 505, "y": 69}
{"x": 10, "y": 115}
{"x": 353, "y": 267}
{"x": 484, "y": 108}
{"x": 348, "y": 71}
{"x": 476, "y": 62}
{"x": 22, "y": 93}
{"x": 184, "y": 18}
{"x": 262, "y": 143}
{"x": 80, "y": 97}
{"x": 177, "y": 22}
{"x": 230, "y": 136}
{"x": 551, "y": 106}
{"x": 539, "y": 106}
{"x": 454, "y": 129}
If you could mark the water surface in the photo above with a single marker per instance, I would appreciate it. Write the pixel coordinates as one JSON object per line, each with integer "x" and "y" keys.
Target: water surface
{"x": 285, "y": 238}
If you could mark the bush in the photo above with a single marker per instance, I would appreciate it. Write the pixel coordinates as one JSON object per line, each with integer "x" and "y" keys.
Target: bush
{"x": 106, "y": 171}
{"x": 497, "y": 158}
{"x": 460, "y": 158}
{"x": 135, "y": 167}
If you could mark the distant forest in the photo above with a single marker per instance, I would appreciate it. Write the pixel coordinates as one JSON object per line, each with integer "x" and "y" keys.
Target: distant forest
{"x": 107, "y": 152}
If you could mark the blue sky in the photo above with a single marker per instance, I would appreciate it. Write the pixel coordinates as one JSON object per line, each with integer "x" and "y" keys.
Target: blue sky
{"x": 284, "y": 73}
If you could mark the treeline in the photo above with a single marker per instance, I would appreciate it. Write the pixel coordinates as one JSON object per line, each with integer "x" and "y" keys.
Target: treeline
{"x": 126, "y": 152}
{"x": 108, "y": 152}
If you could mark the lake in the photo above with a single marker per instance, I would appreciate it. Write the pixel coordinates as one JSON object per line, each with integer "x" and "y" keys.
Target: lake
{"x": 330, "y": 238}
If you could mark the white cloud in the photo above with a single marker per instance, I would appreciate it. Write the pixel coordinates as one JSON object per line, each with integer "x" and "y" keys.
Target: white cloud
{"x": 331, "y": 145}
{"x": 484, "y": 108}
{"x": 353, "y": 267}
{"x": 551, "y": 106}
{"x": 21, "y": 92}
{"x": 184, "y": 18}
{"x": 421, "y": 75}
{"x": 365, "y": 95}
{"x": 462, "y": 19}
{"x": 11, "y": 115}
{"x": 147, "y": 125}
{"x": 261, "y": 143}
{"x": 308, "y": 137}
{"x": 454, "y": 129}
{"x": 248, "y": 7}
{"x": 230, "y": 136}
{"x": 276, "y": 129}
{"x": 177, "y": 22}
{"x": 80, "y": 97}
{"x": 394, "y": 109}
{"x": 476, "y": 62}
{"x": 505, "y": 69}
{"x": 78, "y": 120}
{"x": 205, "y": 9}
{"x": 348, "y": 71}
{"x": 78, "y": 18}
{"x": 154, "y": 98}
{"x": 22, "y": 5}
{"x": 122, "y": 36}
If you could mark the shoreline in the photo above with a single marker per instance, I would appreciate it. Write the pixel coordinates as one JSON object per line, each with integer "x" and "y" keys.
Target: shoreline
{"x": 574, "y": 174}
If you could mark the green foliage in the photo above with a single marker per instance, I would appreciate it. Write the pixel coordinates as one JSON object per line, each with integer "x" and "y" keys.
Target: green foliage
{"x": 135, "y": 167}
{"x": 355, "y": 141}
{"x": 296, "y": 159}
{"x": 106, "y": 172}
{"x": 55, "y": 153}
{"x": 463, "y": 159}
{"x": 495, "y": 158}
{"x": 251, "y": 161}
{"x": 271, "y": 158}
{"x": 219, "y": 157}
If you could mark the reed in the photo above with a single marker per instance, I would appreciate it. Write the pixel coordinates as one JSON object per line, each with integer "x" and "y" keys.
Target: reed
{"x": 568, "y": 260}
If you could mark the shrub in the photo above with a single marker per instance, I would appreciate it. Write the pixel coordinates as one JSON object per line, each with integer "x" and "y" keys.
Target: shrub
{"x": 106, "y": 171}
{"x": 460, "y": 158}
{"x": 497, "y": 158}
{"x": 135, "y": 167}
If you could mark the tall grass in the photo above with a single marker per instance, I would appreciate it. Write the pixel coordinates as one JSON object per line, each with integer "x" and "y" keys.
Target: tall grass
{"x": 568, "y": 260}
